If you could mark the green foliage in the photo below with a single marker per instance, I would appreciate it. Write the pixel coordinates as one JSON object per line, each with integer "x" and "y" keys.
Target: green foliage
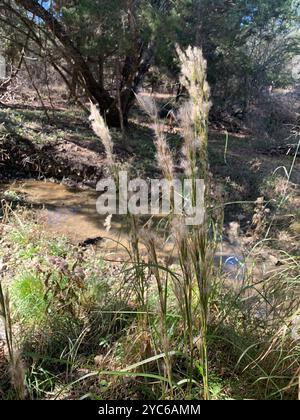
{"x": 249, "y": 46}
{"x": 27, "y": 294}
{"x": 58, "y": 247}
{"x": 96, "y": 25}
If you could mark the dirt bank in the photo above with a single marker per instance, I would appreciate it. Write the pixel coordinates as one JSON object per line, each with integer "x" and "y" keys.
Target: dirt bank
{"x": 19, "y": 158}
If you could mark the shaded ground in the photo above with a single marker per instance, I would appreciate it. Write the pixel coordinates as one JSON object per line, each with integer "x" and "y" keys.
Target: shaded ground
{"x": 65, "y": 149}
{"x": 62, "y": 146}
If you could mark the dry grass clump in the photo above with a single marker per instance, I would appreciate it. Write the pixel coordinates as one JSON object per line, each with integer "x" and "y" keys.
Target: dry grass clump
{"x": 155, "y": 326}
{"x": 193, "y": 246}
{"x": 17, "y": 371}
{"x": 101, "y": 130}
{"x": 163, "y": 153}
{"x": 194, "y": 249}
{"x": 193, "y": 115}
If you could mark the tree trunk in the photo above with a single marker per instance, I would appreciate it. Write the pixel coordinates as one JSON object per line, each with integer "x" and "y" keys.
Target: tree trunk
{"x": 128, "y": 93}
{"x": 94, "y": 89}
{"x": 135, "y": 67}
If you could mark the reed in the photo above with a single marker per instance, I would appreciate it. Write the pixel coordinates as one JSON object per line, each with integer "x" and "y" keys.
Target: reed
{"x": 17, "y": 371}
{"x": 195, "y": 250}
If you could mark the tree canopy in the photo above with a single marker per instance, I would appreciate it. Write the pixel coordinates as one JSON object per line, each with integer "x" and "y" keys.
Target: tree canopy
{"x": 109, "y": 46}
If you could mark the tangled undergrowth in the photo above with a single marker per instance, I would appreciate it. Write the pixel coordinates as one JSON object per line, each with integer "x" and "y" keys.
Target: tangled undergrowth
{"x": 80, "y": 327}
{"x": 77, "y": 330}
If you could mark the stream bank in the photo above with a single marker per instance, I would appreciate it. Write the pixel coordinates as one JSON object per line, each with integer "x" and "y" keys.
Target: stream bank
{"x": 62, "y": 160}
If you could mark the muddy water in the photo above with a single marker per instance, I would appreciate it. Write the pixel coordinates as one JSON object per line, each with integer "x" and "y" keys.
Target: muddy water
{"x": 72, "y": 213}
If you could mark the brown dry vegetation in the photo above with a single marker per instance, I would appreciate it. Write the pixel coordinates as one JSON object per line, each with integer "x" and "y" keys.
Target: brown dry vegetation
{"x": 253, "y": 324}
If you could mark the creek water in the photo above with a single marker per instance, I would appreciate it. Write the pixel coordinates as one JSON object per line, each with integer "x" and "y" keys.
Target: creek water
{"x": 72, "y": 213}
{"x": 68, "y": 212}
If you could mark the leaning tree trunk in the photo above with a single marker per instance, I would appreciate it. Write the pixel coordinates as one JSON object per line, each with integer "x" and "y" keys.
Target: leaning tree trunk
{"x": 137, "y": 74}
{"x": 93, "y": 88}
{"x": 135, "y": 67}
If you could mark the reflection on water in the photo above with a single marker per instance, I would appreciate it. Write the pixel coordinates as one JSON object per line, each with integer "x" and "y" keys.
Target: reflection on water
{"x": 72, "y": 212}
